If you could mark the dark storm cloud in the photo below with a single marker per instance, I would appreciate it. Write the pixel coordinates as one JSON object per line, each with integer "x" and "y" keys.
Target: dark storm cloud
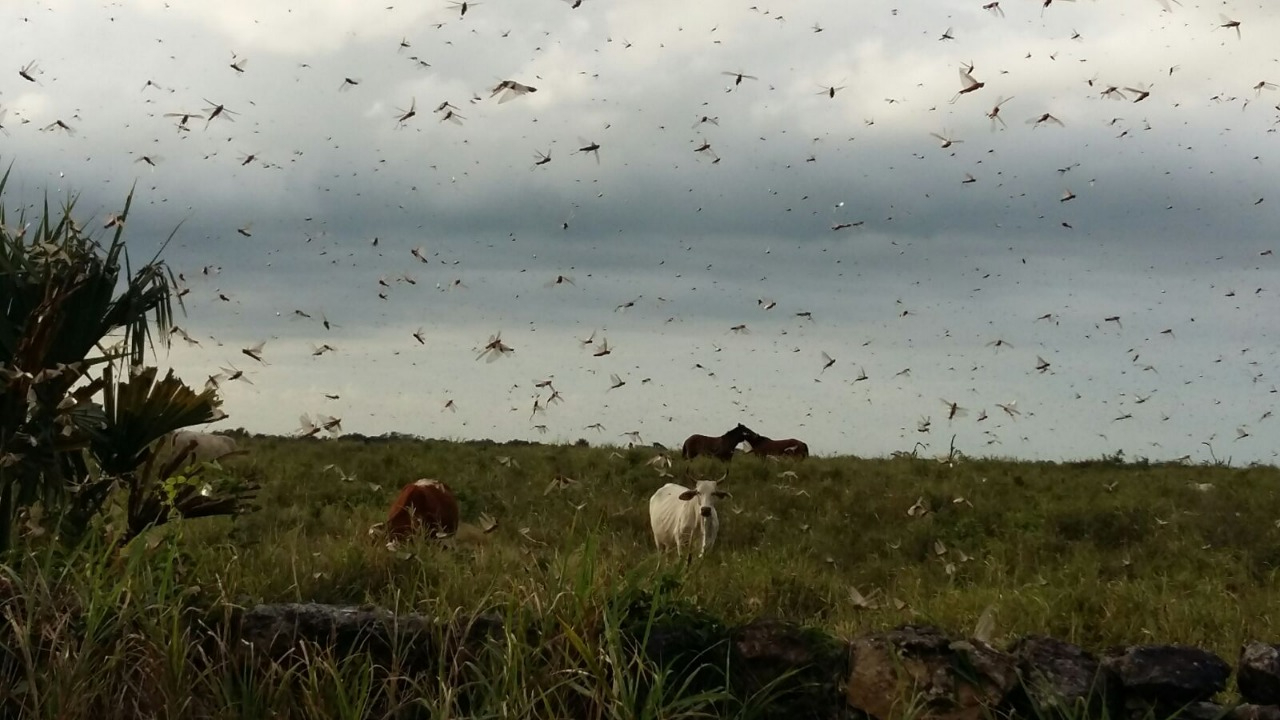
{"x": 929, "y": 271}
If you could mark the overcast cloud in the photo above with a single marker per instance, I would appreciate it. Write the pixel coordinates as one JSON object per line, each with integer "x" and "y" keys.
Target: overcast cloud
{"x": 931, "y": 286}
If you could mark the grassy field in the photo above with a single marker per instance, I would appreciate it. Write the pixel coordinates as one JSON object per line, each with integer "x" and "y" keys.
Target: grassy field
{"x": 1097, "y": 553}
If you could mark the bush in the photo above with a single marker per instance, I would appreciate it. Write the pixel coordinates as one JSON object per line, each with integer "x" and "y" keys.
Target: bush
{"x": 80, "y": 414}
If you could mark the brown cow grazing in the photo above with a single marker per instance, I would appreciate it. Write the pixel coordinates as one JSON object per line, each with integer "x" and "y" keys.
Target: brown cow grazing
{"x": 791, "y": 447}
{"x": 424, "y": 505}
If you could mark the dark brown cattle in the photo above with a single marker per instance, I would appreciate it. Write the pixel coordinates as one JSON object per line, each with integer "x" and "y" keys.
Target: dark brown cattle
{"x": 423, "y": 506}
{"x": 721, "y": 447}
{"x": 791, "y": 447}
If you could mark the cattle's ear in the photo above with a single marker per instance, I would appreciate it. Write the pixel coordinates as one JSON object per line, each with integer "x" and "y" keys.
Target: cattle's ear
{"x": 688, "y": 494}
{"x": 722, "y": 494}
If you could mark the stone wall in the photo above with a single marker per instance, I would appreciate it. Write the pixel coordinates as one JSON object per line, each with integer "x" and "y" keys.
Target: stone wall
{"x": 912, "y": 671}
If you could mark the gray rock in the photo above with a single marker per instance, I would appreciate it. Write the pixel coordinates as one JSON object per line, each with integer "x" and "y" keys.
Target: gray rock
{"x": 1166, "y": 677}
{"x": 1214, "y": 711}
{"x": 1255, "y": 712}
{"x": 1258, "y": 675}
{"x": 766, "y": 650}
{"x": 415, "y": 641}
{"x": 689, "y": 646}
{"x": 1192, "y": 711}
{"x": 944, "y": 680}
{"x": 1058, "y": 678}
{"x": 683, "y": 646}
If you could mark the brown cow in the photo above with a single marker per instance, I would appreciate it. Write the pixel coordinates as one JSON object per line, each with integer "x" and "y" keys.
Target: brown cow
{"x": 428, "y": 505}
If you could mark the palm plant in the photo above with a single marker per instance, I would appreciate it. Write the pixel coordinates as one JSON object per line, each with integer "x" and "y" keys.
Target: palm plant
{"x": 74, "y": 314}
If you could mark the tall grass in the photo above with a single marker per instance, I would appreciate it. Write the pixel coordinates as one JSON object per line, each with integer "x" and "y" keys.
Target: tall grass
{"x": 1095, "y": 553}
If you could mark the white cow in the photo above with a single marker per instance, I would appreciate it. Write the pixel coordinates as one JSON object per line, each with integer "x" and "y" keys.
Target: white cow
{"x": 208, "y": 447}
{"x": 678, "y": 514}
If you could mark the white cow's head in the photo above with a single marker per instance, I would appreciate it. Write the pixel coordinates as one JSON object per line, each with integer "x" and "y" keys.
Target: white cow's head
{"x": 706, "y": 492}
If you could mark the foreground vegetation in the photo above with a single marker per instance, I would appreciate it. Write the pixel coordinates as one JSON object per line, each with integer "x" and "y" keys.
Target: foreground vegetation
{"x": 79, "y": 408}
{"x": 1099, "y": 553}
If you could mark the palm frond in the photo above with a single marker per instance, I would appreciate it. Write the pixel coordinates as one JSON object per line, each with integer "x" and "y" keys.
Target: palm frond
{"x": 67, "y": 310}
{"x": 141, "y": 410}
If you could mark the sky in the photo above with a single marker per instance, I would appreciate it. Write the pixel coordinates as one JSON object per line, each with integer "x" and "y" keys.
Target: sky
{"x": 840, "y": 246}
